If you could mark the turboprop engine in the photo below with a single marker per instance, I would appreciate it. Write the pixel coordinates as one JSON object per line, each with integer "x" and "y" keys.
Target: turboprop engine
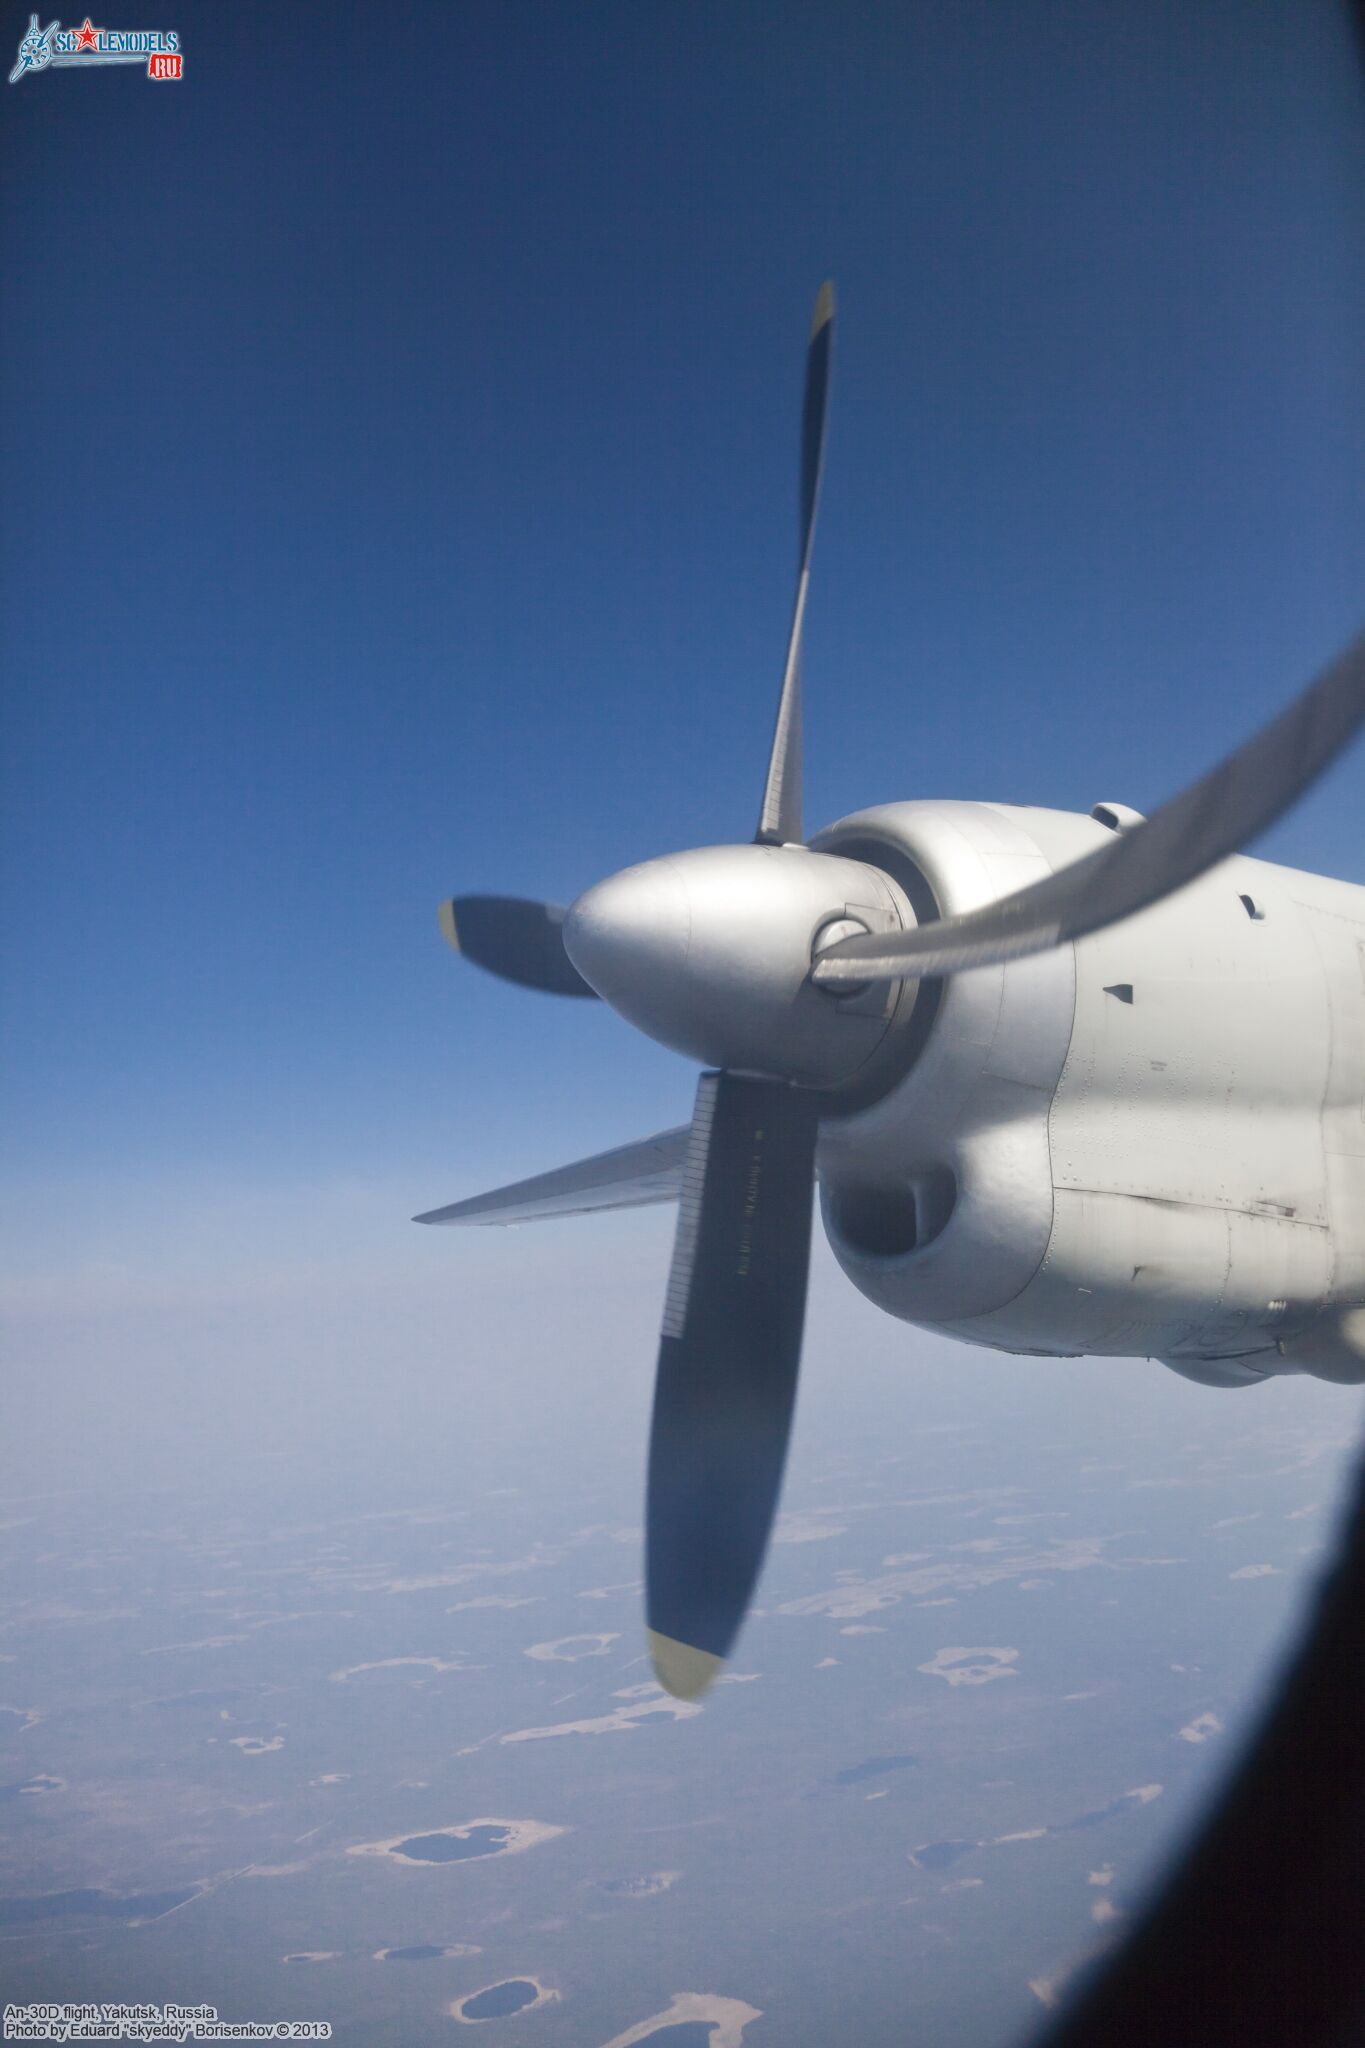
{"x": 891, "y": 1005}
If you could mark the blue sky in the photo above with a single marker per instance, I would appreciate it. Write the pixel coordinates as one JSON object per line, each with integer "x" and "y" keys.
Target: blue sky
{"x": 399, "y": 481}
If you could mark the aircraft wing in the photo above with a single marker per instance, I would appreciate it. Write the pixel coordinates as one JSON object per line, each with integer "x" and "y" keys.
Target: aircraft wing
{"x": 630, "y": 1177}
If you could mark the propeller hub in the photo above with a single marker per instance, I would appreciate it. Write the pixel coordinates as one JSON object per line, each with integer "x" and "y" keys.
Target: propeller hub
{"x": 710, "y": 952}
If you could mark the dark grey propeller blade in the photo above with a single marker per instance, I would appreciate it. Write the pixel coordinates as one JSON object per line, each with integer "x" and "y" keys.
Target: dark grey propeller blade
{"x": 516, "y": 939}
{"x": 1202, "y": 825}
{"x": 779, "y": 821}
{"x": 728, "y": 1360}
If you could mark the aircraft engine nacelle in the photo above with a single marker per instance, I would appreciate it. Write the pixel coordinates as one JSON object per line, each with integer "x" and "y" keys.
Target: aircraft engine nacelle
{"x": 1115, "y": 1147}
{"x": 937, "y": 1196}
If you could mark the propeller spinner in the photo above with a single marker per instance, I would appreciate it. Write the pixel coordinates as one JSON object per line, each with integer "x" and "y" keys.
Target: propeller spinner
{"x": 756, "y": 960}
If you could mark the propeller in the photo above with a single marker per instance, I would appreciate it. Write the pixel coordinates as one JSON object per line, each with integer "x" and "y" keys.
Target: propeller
{"x": 779, "y": 820}
{"x": 515, "y": 939}
{"x": 753, "y": 959}
{"x": 728, "y": 1359}
{"x": 730, "y": 1350}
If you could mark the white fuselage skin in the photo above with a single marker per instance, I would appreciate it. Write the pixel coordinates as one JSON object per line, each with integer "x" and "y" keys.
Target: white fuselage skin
{"x": 1149, "y": 1141}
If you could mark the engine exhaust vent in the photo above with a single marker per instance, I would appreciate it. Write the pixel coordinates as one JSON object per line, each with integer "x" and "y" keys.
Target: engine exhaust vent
{"x": 891, "y": 1222}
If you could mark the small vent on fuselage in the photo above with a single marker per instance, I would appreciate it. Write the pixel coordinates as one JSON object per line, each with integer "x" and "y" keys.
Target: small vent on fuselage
{"x": 1116, "y": 817}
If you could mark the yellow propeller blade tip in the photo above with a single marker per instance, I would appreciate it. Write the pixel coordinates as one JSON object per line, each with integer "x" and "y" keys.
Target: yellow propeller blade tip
{"x": 680, "y": 1669}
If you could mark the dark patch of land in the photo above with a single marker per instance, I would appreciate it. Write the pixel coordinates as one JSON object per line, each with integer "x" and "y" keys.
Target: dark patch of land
{"x": 874, "y": 1767}
{"x": 1100, "y": 1813}
{"x": 940, "y": 1855}
{"x": 485, "y": 1841}
{"x": 101, "y": 1905}
{"x": 500, "y": 2000}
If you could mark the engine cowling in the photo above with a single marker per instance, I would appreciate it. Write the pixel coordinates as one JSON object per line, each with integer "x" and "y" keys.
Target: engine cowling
{"x": 1116, "y": 1147}
{"x": 937, "y": 1196}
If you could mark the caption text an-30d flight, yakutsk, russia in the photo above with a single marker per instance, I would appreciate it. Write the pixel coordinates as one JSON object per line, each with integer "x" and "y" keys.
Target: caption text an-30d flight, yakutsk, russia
{"x": 1068, "y": 1084}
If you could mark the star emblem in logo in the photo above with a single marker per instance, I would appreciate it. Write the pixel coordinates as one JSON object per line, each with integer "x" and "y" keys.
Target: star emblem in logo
{"x": 86, "y": 39}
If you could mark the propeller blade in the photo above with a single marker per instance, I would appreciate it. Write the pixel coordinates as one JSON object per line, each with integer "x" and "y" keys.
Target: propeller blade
{"x": 728, "y": 1360}
{"x": 516, "y": 939}
{"x": 1192, "y": 832}
{"x": 627, "y": 1177}
{"x": 779, "y": 821}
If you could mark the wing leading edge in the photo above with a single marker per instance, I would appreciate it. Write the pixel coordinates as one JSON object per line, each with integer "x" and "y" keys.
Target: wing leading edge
{"x": 630, "y": 1177}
